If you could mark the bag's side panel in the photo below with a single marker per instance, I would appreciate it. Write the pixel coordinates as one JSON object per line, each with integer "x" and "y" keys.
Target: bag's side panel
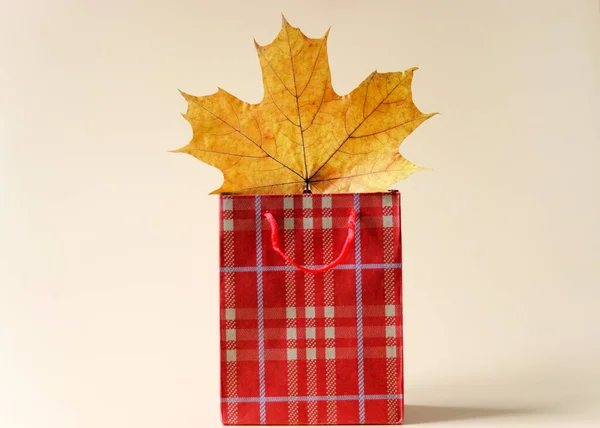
{"x": 397, "y": 205}
{"x": 380, "y": 297}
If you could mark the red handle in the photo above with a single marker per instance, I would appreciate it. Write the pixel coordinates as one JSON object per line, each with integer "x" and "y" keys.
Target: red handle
{"x": 334, "y": 263}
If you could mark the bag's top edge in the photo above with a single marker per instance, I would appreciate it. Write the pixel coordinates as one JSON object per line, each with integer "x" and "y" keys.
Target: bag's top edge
{"x": 301, "y": 195}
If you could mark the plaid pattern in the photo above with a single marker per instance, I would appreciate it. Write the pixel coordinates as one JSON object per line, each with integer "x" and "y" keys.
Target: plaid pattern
{"x": 302, "y": 348}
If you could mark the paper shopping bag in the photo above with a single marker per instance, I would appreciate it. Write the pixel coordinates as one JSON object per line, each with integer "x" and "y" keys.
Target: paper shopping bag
{"x": 311, "y": 309}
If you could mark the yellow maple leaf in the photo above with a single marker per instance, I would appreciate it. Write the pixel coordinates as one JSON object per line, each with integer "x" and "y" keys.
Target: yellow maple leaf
{"x": 303, "y": 136}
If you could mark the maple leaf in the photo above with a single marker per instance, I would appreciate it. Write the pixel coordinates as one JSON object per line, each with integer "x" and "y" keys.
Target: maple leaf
{"x": 303, "y": 136}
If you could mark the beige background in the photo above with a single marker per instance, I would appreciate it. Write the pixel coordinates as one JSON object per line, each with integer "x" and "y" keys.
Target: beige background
{"x": 109, "y": 246}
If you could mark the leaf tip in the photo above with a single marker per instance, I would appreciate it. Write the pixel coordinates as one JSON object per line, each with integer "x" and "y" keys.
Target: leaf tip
{"x": 185, "y": 95}
{"x": 285, "y": 23}
{"x": 410, "y": 72}
{"x": 179, "y": 150}
{"x": 221, "y": 191}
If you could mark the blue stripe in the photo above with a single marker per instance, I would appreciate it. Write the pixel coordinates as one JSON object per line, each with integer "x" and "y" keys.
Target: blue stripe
{"x": 311, "y": 398}
{"x": 359, "y": 315}
{"x": 261, "y": 326}
{"x": 288, "y": 268}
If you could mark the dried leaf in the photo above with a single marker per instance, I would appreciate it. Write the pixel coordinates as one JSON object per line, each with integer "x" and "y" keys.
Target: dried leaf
{"x": 302, "y": 135}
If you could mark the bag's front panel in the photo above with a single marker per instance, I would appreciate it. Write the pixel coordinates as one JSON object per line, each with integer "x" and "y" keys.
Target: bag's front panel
{"x": 303, "y": 348}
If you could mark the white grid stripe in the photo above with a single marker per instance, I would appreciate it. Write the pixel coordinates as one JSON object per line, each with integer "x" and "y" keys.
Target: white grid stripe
{"x": 359, "y": 315}
{"x": 329, "y": 292}
{"x": 291, "y": 322}
{"x": 229, "y": 285}
{"x": 293, "y": 268}
{"x": 260, "y": 314}
{"x": 309, "y": 285}
{"x": 390, "y": 300}
{"x": 313, "y": 398}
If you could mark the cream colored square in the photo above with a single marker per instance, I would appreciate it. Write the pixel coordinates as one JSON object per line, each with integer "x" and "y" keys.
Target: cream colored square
{"x": 390, "y": 352}
{"x": 288, "y": 203}
{"x": 329, "y": 332}
{"x": 227, "y": 204}
{"x": 388, "y": 221}
{"x": 291, "y": 333}
{"x": 227, "y": 225}
{"x": 230, "y": 334}
{"x": 329, "y": 311}
{"x": 390, "y": 310}
{"x": 288, "y": 223}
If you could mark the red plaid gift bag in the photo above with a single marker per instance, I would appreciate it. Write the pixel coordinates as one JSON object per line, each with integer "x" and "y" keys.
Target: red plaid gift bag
{"x": 311, "y": 309}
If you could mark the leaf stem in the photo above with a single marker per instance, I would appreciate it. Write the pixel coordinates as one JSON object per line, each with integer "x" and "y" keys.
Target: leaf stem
{"x": 307, "y": 186}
